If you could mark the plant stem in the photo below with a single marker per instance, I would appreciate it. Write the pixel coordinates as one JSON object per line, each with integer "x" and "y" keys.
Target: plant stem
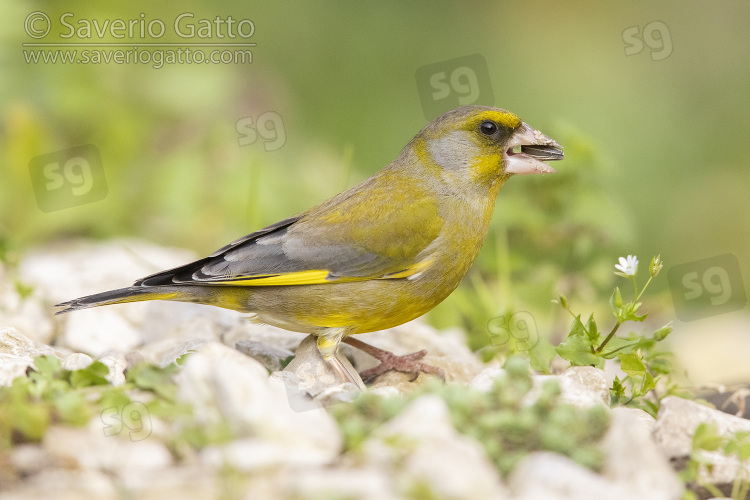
{"x": 609, "y": 337}
{"x": 644, "y": 288}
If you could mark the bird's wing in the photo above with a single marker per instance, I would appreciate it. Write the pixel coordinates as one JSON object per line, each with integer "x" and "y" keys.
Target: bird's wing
{"x": 360, "y": 236}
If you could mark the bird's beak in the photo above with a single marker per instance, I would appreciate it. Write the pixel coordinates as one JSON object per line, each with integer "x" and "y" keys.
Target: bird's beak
{"x": 535, "y": 148}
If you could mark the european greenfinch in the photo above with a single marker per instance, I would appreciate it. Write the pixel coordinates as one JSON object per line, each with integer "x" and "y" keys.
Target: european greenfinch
{"x": 380, "y": 254}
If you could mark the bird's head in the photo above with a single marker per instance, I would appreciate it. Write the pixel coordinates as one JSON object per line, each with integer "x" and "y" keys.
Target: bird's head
{"x": 480, "y": 145}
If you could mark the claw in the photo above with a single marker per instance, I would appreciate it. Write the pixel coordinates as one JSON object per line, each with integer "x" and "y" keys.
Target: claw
{"x": 388, "y": 361}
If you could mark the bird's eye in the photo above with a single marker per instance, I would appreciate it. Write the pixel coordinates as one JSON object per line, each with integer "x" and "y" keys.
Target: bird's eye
{"x": 488, "y": 127}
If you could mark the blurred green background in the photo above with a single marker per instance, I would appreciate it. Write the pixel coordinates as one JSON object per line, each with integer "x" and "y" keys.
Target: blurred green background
{"x": 656, "y": 147}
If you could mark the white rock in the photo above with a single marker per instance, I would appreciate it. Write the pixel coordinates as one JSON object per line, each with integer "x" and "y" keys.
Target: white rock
{"x": 485, "y": 379}
{"x": 582, "y": 386}
{"x": 251, "y": 454}
{"x": 268, "y": 355}
{"x": 186, "y": 482}
{"x": 550, "y": 476}
{"x": 367, "y": 483}
{"x": 593, "y": 380}
{"x": 248, "y": 329}
{"x": 678, "y": 418}
{"x": 641, "y": 416}
{"x": 634, "y": 461}
{"x": 77, "y": 361}
{"x": 116, "y": 365}
{"x": 90, "y": 448}
{"x": 315, "y": 375}
{"x": 17, "y": 353}
{"x": 225, "y": 386}
{"x": 676, "y": 424}
{"x": 70, "y": 269}
{"x": 421, "y": 447}
{"x": 30, "y": 459}
{"x": 29, "y": 315}
{"x": 168, "y": 320}
{"x": 99, "y": 330}
{"x": 65, "y": 484}
{"x": 186, "y": 336}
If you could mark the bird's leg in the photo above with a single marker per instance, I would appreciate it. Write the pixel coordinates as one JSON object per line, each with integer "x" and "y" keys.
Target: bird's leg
{"x": 388, "y": 361}
{"x": 328, "y": 345}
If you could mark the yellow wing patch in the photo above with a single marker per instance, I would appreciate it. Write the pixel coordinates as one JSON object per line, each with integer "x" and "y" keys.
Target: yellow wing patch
{"x": 315, "y": 277}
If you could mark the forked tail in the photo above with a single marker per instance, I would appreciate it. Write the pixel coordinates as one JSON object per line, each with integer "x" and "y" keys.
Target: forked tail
{"x": 120, "y": 296}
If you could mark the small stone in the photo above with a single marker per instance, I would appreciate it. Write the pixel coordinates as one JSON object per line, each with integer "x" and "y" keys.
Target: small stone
{"x": 269, "y": 335}
{"x": 315, "y": 375}
{"x": 225, "y": 387}
{"x": 17, "y": 353}
{"x": 634, "y": 461}
{"x": 269, "y": 356}
{"x": 367, "y": 483}
{"x": 637, "y": 414}
{"x": 30, "y": 315}
{"x": 675, "y": 426}
{"x": 420, "y": 447}
{"x": 484, "y": 380}
{"x": 116, "y": 365}
{"x": 678, "y": 418}
{"x": 77, "y": 361}
{"x": 550, "y": 476}
{"x": 592, "y": 379}
{"x": 581, "y": 386}
{"x": 99, "y": 330}
{"x": 30, "y": 459}
{"x": 64, "y": 270}
{"x": 181, "y": 338}
{"x": 65, "y": 484}
{"x": 91, "y": 448}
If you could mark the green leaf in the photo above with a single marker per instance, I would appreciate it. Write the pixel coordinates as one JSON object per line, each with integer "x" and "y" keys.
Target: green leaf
{"x": 618, "y": 345}
{"x": 617, "y": 391}
{"x": 541, "y": 355}
{"x": 660, "y": 366}
{"x": 113, "y": 397}
{"x": 662, "y": 332}
{"x": 629, "y": 312}
{"x": 94, "y": 374}
{"x": 706, "y": 437}
{"x": 577, "y": 328}
{"x": 615, "y": 302}
{"x": 649, "y": 384}
{"x": 632, "y": 364}
{"x": 48, "y": 366}
{"x": 577, "y": 350}
{"x": 158, "y": 380}
{"x": 71, "y": 407}
{"x": 739, "y": 445}
{"x": 592, "y": 330}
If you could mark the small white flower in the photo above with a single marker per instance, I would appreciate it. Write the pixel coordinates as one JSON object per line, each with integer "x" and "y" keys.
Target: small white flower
{"x": 628, "y": 266}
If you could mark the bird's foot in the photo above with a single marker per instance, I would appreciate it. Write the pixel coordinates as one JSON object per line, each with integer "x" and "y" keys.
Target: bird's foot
{"x": 408, "y": 363}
